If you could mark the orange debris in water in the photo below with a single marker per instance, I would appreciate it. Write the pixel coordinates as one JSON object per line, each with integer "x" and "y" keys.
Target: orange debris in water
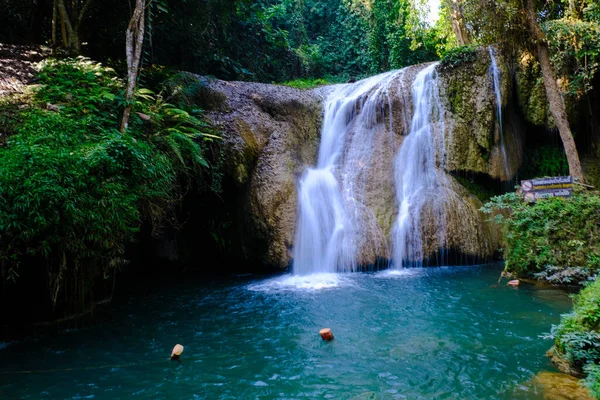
{"x": 176, "y": 353}
{"x": 326, "y": 334}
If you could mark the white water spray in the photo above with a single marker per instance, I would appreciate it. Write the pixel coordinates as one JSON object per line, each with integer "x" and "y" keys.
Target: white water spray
{"x": 496, "y": 78}
{"x": 333, "y": 222}
{"x": 417, "y": 173}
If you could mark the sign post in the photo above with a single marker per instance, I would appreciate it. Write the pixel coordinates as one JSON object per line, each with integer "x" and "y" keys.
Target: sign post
{"x": 544, "y": 188}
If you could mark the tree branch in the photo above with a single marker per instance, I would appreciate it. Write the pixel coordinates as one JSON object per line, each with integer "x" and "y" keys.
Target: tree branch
{"x": 86, "y": 5}
{"x": 64, "y": 15}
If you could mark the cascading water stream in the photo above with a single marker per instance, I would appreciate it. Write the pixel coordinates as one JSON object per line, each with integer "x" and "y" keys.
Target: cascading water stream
{"x": 332, "y": 220}
{"x": 365, "y": 199}
{"x": 496, "y": 78}
{"x": 417, "y": 174}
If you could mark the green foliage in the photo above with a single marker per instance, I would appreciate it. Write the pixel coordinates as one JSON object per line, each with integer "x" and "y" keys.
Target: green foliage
{"x": 556, "y": 237}
{"x": 592, "y": 381}
{"x": 574, "y": 41}
{"x": 261, "y": 40}
{"x": 459, "y": 56}
{"x": 544, "y": 161}
{"x": 73, "y": 190}
{"x": 282, "y": 40}
{"x": 577, "y": 337}
{"x": 311, "y": 83}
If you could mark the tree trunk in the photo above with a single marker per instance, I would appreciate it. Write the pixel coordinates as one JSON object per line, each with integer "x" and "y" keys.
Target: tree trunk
{"x": 554, "y": 95}
{"x": 63, "y": 34}
{"x": 70, "y": 25}
{"x": 134, "y": 40}
{"x": 74, "y": 43}
{"x": 458, "y": 23}
{"x": 54, "y": 18}
{"x": 66, "y": 26}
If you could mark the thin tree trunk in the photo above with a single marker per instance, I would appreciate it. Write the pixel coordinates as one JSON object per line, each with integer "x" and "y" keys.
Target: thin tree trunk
{"x": 74, "y": 43}
{"x": 63, "y": 34}
{"x": 134, "y": 40}
{"x": 66, "y": 24}
{"x": 54, "y": 18}
{"x": 70, "y": 30}
{"x": 554, "y": 95}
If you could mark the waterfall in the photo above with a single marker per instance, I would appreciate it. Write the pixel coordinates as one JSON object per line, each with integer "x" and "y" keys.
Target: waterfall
{"x": 333, "y": 223}
{"x": 419, "y": 180}
{"x": 379, "y": 189}
{"x": 496, "y": 78}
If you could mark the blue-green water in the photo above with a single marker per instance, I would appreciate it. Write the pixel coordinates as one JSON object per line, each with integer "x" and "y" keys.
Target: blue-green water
{"x": 439, "y": 333}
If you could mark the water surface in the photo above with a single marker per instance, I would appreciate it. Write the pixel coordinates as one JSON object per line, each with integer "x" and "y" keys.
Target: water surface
{"x": 437, "y": 333}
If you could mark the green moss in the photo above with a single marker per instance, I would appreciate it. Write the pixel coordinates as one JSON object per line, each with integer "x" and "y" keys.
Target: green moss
{"x": 459, "y": 56}
{"x": 306, "y": 83}
{"x": 471, "y": 116}
{"x": 245, "y": 160}
{"x": 482, "y": 193}
{"x": 311, "y": 83}
{"x": 531, "y": 93}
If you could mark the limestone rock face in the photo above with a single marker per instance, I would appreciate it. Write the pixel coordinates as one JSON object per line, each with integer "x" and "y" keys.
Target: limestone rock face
{"x": 472, "y": 135}
{"x": 270, "y": 136}
{"x": 531, "y": 94}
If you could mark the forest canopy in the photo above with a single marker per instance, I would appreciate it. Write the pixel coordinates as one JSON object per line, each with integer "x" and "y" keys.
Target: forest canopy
{"x": 265, "y": 40}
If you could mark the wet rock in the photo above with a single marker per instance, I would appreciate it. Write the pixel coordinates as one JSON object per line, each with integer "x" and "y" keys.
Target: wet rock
{"x": 271, "y": 135}
{"x": 557, "y": 386}
{"x": 471, "y": 132}
{"x": 563, "y": 364}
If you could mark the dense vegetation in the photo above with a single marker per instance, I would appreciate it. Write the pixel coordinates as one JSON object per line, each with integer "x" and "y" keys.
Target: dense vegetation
{"x": 556, "y": 240}
{"x": 75, "y": 191}
{"x": 577, "y": 338}
{"x": 266, "y": 40}
{"x": 553, "y": 239}
{"x": 62, "y": 154}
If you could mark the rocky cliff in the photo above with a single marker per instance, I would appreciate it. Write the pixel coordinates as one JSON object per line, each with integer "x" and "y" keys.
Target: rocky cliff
{"x": 271, "y": 135}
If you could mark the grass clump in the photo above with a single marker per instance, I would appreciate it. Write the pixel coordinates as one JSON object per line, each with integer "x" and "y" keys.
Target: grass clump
{"x": 311, "y": 83}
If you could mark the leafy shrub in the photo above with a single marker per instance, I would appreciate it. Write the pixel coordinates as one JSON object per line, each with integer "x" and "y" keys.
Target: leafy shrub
{"x": 545, "y": 161}
{"x": 459, "y": 55}
{"x": 592, "y": 381}
{"x": 74, "y": 190}
{"x": 556, "y": 237}
{"x": 575, "y": 49}
{"x": 577, "y": 337}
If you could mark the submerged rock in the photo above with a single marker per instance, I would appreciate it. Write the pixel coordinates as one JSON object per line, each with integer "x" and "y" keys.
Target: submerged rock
{"x": 557, "y": 386}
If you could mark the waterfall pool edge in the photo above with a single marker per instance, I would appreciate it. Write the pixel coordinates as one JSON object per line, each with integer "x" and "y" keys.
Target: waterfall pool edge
{"x": 444, "y": 332}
